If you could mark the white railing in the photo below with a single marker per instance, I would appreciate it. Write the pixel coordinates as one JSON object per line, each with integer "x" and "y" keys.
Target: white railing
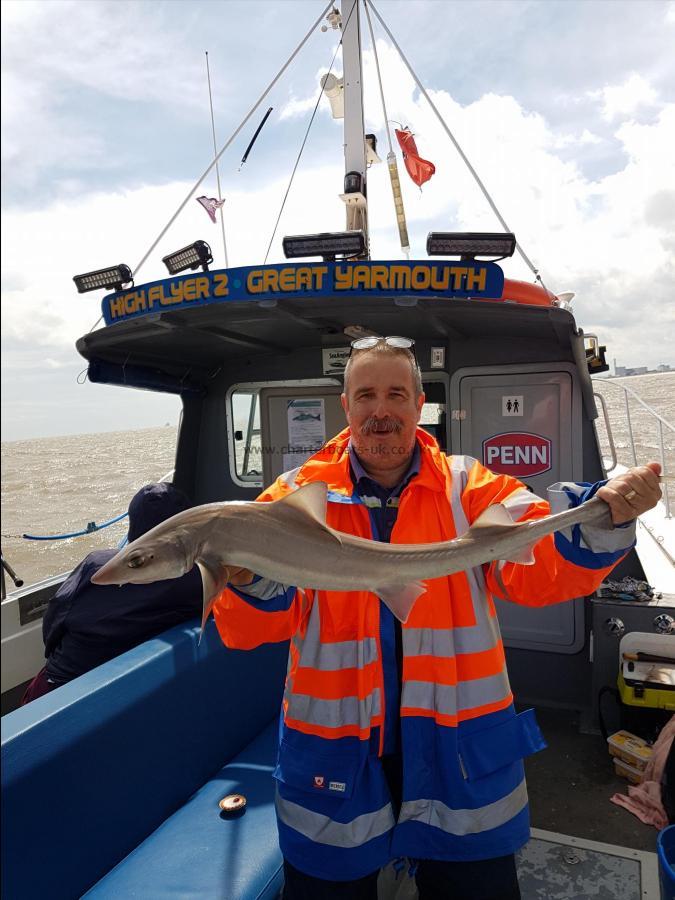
{"x": 661, "y": 423}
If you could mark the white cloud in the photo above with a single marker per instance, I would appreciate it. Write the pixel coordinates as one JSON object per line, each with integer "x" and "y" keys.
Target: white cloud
{"x": 297, "y": 107}
{"x": 611, "y": 238}
{"x": 625, "y": 99}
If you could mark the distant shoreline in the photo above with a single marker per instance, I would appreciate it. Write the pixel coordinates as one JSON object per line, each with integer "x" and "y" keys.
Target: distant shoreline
{"x": 87, "y": 434}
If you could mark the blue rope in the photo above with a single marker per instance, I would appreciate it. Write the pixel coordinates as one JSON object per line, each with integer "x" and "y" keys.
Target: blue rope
{"x": 90, "y": 529}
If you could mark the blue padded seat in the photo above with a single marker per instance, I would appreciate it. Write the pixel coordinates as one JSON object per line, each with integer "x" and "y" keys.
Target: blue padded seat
{"x": 197, "y": 855}
{"x": 94, "y": 768}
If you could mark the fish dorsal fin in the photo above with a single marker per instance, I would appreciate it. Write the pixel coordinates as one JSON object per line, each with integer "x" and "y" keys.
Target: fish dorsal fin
{"x": 310, "y": 499}
{"x": 494, "y": 516}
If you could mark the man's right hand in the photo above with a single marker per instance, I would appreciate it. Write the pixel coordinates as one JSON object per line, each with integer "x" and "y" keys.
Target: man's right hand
{"x": 239, "y": 576}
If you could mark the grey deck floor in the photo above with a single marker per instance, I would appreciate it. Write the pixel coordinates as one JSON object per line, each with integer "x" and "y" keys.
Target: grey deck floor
{"x": 570, "y": 784}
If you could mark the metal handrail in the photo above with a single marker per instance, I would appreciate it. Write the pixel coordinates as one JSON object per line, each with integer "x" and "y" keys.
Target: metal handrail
{"x": 608, "y": 429}
{"x": 661, "y": 422}
{"x": 639, "y": 399}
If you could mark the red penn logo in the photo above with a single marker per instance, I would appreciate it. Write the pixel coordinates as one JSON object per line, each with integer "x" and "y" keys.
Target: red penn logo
{"x": 319, "y": 781}
{"x": 517, "y": 453}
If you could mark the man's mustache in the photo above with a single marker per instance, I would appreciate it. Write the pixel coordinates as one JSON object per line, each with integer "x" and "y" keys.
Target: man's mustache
{"x": 381, "y": 426}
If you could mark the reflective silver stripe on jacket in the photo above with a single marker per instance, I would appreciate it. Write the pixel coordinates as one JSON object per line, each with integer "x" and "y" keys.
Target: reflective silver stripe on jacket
{"x": 446, "y": 643}
{"x": 324, "y": 830}
{"x": 334, "y": 713}
{"x": 519, "y": 502}
{"x": 485, "y": 633}
{"x": 328, "y": 656}
{"x": 449, "y": 699}
{"x": 465, "y": 821}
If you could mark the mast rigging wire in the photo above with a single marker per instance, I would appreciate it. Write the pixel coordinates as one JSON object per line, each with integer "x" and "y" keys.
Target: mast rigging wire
{"x": 463, "y": 155}
{"x": 228, "y": 142}
{"x": 379, "y": 77}
{"x": 399, "y": 209}
{"x": 302, "y": 147}
{"x": 215, "y": 151}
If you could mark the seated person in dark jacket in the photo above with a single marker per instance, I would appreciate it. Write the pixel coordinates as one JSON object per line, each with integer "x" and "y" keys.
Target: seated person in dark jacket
{"x": 87, "y": 624}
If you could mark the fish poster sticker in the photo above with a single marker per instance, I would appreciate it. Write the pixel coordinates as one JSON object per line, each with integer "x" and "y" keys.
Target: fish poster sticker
{"x": 517, "y": 453}
{"x": 306, "y": 430}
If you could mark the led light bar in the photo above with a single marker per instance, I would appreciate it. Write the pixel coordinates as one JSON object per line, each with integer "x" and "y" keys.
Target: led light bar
{"x": 469, "y": 244}
{"x": 112, "y": 277}
{"x": 190, "y": 257}
{"x": 327, "y": 245}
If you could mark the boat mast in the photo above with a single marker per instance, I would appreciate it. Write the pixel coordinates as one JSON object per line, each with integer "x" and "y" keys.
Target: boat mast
{"x": 355, "y": 193}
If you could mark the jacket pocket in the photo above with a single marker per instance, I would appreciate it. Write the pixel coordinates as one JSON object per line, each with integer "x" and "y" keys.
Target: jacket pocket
{"x": 483, "y": 752}
{"x": 327, "y": 775}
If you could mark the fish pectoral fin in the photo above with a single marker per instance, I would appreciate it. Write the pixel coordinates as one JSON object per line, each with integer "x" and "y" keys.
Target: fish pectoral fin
{"x": 496, "y": 515}
{"x": 524, "y": 556}
{"x": 400, "y": 598}
{"x": 213, "y": 582}
{"x": 310, "y": 499}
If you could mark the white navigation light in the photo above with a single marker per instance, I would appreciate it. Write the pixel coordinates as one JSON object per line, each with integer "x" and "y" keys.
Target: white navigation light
{"x": 328, "y": 245}
{"x": 470, "y": 244}
{"x": 190, "y": 257}
{"x": 112, "y": 277}
{"x": 334, "y": 89}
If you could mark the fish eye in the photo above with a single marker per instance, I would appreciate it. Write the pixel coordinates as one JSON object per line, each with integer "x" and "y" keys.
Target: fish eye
{"x": 136, "y": 561}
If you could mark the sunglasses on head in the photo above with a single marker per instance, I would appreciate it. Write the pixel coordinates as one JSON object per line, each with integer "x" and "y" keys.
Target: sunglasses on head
{"x": 393, "y": 340}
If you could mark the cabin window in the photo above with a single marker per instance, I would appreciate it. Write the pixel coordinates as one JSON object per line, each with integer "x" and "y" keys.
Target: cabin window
{"x": 247, "y": 444}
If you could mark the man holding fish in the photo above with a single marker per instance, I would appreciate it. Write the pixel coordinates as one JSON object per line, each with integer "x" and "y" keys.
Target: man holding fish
{"x": 399, "y": 736}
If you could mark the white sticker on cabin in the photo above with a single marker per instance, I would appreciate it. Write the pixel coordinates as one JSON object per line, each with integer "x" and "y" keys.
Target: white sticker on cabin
{"x": 335, "y": 360}
{"x": 437, "y": 357}
{"x": 512, "y": 405}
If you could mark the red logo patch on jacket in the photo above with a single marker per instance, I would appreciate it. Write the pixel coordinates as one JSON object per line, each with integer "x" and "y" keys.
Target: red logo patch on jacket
{"x": 319, "y": 781}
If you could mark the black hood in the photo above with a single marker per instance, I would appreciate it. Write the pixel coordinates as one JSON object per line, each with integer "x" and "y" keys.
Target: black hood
{"x": 153, "y": 504}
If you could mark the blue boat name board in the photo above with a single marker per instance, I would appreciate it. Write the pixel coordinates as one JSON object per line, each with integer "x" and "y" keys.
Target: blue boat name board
{"x": 390, "y": 279}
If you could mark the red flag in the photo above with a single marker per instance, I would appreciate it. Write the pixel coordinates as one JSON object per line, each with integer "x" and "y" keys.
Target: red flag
{"x": 210, "y": 204}
{"x": 420, "y": 170}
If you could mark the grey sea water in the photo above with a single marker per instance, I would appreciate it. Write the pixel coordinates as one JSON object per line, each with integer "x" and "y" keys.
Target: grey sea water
{"x": 57, "y": 485}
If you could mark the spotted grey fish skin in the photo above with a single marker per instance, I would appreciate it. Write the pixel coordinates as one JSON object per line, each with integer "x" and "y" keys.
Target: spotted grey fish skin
{"x": 289, "y": 541}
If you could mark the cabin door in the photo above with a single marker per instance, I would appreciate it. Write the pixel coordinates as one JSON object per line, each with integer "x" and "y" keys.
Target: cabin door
{"x": 525, "y": 421}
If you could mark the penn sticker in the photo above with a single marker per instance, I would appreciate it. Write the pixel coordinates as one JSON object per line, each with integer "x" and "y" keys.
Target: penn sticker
{"x": 337, "y": 786}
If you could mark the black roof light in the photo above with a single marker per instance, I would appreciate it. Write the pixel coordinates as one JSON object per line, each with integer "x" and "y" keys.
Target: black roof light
{"x": 470, "y": 244}
{"x": 190, "y": 257}
{"x": 328, "y": 245}
{"x": 112, "y": 277}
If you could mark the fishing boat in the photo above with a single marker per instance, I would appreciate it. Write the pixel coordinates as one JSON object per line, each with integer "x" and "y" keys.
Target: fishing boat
{"x": 113, "y": 783}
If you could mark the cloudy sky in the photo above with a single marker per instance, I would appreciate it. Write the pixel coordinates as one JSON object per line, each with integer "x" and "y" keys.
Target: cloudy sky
{"x": 566, "y": 109}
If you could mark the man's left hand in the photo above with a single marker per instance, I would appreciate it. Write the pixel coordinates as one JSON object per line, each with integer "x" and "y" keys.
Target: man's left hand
{"x": 634, "y": 492}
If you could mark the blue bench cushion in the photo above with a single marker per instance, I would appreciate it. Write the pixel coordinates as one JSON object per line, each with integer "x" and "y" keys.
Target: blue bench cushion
{"x": 197, "y": 854}
{"x": 94, "y": 768}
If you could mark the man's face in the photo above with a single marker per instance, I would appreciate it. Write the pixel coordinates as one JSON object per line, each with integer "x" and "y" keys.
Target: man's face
{"x": 382, "y": 410}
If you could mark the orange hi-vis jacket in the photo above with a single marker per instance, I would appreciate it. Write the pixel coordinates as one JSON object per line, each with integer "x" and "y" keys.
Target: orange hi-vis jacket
{"x": 462, "y": 743}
